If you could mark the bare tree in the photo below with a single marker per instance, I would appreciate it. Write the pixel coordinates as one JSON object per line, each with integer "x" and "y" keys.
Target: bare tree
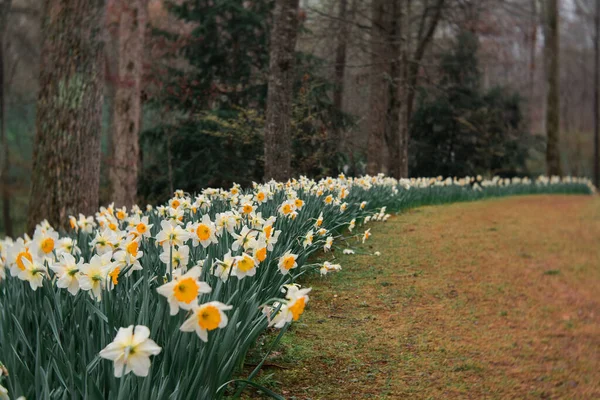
{"x": 551, "y": 54}
{"x": 127, "y": 107}
{"x": 278, "y": 139}
{"x": 66, "y": 155}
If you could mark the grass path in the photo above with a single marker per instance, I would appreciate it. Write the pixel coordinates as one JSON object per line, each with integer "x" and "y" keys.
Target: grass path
{"x": 495, "y": 299}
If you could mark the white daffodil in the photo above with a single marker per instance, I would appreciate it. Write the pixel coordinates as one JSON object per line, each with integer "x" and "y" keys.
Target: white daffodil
{"x": 204, "y": 232}
{"x": 206, "y": 317}
{"x": 171, "y": 234}
{"x": 33, "y": 273}
{"x": 67, "y": 272}
{"x": 223, "y": 268}
{"x": 287, "y": 262}
{"x": 183, "y": 291}
{"x": 245, "y": 265}
{"x": 95, "y": 274}
{"x": 131, "y": 351}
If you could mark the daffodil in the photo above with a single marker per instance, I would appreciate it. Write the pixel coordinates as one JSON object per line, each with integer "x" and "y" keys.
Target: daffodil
{"x": 16, "y": 255}
{"x": 44, "y": 241}
{"x": 308, "y": 239}
{"x": 95, "y": 274}
{"x": 204, "y": 232}
{"x": 182, "y": 292}
{"x": 67, "y": 272}
{"x": 366, "y": 235}
{"x": 352, "y": 224}
{"x": 206, "y": 317}
{"x": 245, "y": 265}
{"x": 292, "y": 309}
{"x": 171, "y": 234}
{"x": 177, "y": 257}
{"x": 287, "y": 262}
{"x": 104, "y": 241}
{"x": 244, "y": 239}
{"x": 140, "y": 226}
{"x": 33, "y": 273}
{"x": 328, "y": 243}
{"x": 328, "y": 267}
{"x": 131, "y": 351}
{"x": 223, "y": 268}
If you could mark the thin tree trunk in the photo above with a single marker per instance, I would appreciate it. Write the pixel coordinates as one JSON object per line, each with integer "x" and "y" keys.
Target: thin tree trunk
{"x": 127, "y": 102}
{"x": 597, "y": 95}
{"x": 379, "y": 93}
{"x": 393, "y": 130}
{"x": 66, "y": 154}
{"x": 551, "y": 50}
{"x": 532, "y": 51}
{"x": 335, "y": 138}
{"x": 5, "y": 168}
{"x": 278, "y": 136}
{"x": 404, "y": 121}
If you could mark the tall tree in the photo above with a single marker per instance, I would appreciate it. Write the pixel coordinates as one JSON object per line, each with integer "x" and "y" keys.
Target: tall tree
{"x": 340, "y": 67}
{"x": 278, "y": 139}
{"x": 127, "y": 101}
{"x": 551, "y": 54}
{"x": 379, "y": 85}
{"x": 597, "y": 94}
{"x": 395, "y": 86}
{"x": 4, "y": 168}
{"x": 66, "y": 155}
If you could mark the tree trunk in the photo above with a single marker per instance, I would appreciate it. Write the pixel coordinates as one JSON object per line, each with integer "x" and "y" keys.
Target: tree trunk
{"x": 278, "y": 136}
{"x": 551, "y": 52}
{"x": 335, "y": 138}
{"x": 393, "y": 130}
{"x": 66, "y": 152}
{"x": 127, "y": 102}
{"x": 379, "y": 93}
{"x": 532, "y": 51}
{"x": 5, "y": 167}
{"x": 404, "y": 121}
{"x": 597, "y": 95}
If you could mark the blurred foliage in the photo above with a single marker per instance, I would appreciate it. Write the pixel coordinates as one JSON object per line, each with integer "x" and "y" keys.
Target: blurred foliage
{"x": 211, "y": 96}
{"x": 461, "y": 130}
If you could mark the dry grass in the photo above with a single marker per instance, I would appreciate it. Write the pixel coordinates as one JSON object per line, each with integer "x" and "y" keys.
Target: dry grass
{"x": 494, "y": 299}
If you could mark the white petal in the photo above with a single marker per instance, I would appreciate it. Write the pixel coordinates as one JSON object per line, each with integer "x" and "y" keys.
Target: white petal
{"x": 139, "y": 364}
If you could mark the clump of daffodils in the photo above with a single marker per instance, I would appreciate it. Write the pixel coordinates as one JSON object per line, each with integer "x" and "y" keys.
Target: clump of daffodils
{"x": 196, "y": 263}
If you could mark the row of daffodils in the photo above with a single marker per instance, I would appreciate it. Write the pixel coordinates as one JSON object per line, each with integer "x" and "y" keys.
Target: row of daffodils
{"x": 165, "y": 302}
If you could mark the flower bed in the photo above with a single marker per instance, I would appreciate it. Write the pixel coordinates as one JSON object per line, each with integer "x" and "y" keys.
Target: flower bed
{"x": 165, "y": 302}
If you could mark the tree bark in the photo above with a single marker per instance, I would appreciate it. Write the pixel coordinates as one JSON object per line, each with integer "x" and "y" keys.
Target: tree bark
{"x": 404, "y": 120}
{"x": 127, "y": 102}
{"x": 597, "y": 95}
{"x": 278, "y": 136}
{"x": 335, "y": 138}
{"x": 532, "y": 66}
{"x": 5, "y": 167}
{"x": 379, "y": 93}
{"x": 66, "y": 153}
{"x": 551, "y": 53}
{"x": 394, "y": 113}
